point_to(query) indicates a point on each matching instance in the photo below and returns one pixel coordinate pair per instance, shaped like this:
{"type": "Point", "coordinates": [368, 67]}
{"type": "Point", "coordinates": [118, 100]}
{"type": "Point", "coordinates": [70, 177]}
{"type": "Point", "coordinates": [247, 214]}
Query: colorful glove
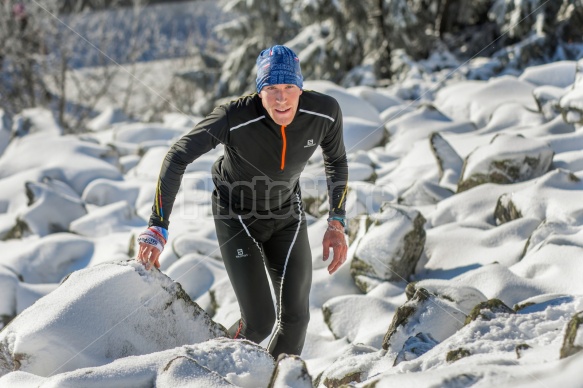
{"type": "Point", "coordinates": [155, 236]}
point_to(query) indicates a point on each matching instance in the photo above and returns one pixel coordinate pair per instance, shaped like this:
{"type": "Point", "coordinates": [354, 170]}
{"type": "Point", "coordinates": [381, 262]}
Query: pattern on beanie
{"type": "Point", "coordinates": [278, 65]}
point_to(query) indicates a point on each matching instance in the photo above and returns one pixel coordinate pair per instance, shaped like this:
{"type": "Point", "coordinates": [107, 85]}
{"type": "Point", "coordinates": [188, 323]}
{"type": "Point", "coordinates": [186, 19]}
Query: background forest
{"type": "Point", "coordinates": [48, 48]}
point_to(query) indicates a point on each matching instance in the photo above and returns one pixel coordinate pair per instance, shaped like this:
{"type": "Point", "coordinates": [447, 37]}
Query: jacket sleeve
{"type": "Point", "coordinates": [336, 165]}
{"type": "Point", "coordinates": [206, 135]}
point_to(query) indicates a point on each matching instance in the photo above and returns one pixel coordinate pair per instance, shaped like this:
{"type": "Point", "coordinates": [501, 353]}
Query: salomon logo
{"type": "Point", "coordinates": [310, 143]}
{"type": "Point", "coordinates": [241, 254]}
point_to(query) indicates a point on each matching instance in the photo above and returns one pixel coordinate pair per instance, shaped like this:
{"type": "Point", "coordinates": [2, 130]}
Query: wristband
{"type": "Point", "coordinates": [154, 236]}
{"type": "Point", "coordinates": [339, 219]}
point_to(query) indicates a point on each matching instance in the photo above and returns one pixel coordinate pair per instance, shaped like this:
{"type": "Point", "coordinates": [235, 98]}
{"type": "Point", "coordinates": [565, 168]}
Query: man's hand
{"type": "Point", "coordinates": [151, 242]}
{"type": "Point", "coordinates": [334, 238]}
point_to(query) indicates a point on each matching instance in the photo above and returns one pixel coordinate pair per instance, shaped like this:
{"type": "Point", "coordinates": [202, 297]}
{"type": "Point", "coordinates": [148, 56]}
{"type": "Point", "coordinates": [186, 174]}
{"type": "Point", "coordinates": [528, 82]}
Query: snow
{"type": "Point", "coordinates": [559, 74]}
{"type": "Point", "coordinates": [477, 100]}
{"type": "Point", "coordinates": [82, 313]}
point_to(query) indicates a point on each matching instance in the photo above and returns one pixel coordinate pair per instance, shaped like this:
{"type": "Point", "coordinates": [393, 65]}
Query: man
{"type": "Point", "coordinates": [268, 138]}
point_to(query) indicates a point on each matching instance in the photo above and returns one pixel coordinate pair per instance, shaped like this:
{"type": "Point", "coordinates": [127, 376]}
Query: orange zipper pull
{"type": "Point", "coordinates": [284, 148]}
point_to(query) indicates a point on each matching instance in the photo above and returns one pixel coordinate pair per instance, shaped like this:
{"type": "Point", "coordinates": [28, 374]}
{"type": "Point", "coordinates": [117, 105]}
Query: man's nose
{"type": "Point", "coordinates": [279, 96]}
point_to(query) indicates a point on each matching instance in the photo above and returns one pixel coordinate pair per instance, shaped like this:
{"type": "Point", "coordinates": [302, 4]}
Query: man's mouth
{"type": "Point", "coordinates": [282, 110]}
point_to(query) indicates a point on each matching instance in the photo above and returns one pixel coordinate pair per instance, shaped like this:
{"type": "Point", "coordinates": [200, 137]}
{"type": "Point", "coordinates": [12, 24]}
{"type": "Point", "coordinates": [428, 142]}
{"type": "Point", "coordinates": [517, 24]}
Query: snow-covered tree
{"type": "Point", "coordinates": [21, 51]}
{"type": "Point", "coordinates": [257, 24]}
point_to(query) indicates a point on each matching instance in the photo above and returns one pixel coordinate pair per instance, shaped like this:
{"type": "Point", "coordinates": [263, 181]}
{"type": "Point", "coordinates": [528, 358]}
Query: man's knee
{"type": "Point", "coordinates": [298, 319]}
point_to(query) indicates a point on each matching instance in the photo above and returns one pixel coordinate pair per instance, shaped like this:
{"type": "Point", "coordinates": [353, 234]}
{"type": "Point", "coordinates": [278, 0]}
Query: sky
{"type": "Point", "coordinates": [463, 194]}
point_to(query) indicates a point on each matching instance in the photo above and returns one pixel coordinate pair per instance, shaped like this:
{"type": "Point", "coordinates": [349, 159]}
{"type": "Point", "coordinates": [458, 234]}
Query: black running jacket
{"type": "Point", "coordinates": [260, 169]}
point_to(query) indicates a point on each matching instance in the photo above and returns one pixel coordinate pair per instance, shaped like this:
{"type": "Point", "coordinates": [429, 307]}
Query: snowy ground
{"type": "Point", "coordinates": [492, 169]}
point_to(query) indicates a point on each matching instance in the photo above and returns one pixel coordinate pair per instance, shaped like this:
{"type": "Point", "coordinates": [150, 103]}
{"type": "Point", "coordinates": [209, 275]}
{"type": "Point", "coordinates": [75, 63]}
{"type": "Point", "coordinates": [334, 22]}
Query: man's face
{"type": "Point", "coordinates": [281, 102]}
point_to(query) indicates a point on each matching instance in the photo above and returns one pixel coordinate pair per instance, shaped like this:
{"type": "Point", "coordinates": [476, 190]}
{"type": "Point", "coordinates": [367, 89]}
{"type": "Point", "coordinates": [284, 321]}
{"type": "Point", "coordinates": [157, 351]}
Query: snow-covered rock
{"type": "Point", "coordinates": [381, 101]}
{"type": "Point", "coordinates": [49, 259]}
{"type": "Point", "coordinates": [102, 192]}
{"type": "Point", "coordinates": [548, 100]}
{"type": "Point", "coordinates": [53, 206]}
{"type": "Point", "coordinates": [559, 74]}
{"type": "Point", "coordinates": [107, 119]}
{"type": "Point", "coordinates": [215, 363]}
{"type": "Point", "coordinates": [424, 192]}
{"type": "Point", "coordinates": [477, 100]}
{"type": "Point", "coordinates": [507, 159]}
{"type": "Point", "coordinates": [290, 372]}
{"type": "Point", "coordinates": [512, 116]}
{"type": "Point", "coordinates": [108, 219]}
{"type": "Point", "coordinates": [35, 120]}
{"type": "Point", "coordinates": [77, 162]}
{"type": "Point", "coordinates": [449, 162]}
{"type": "Point", "coordinates": [131, 311]}
{"type": "Point", "coordinates": [407, 320]}
{"type": "Point", "coordinates": [391, 249]}
{"type": "Point", "coordinates": [351, 105]}
{"type": "Point", "coordinates": [420, 124]}
{"type": "Point", "coordinates": [552, 197]}
{"type": "Point", "coordinates": [196, 273]}
{"type": "Point", "coordinates": [358, 318]}
{"type": "Point", "coordinates": [361, 134]}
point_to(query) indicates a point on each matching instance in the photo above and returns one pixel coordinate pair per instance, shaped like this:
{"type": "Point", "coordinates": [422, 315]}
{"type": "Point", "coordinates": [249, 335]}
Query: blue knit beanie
{"type": "Point", "coordinates": [278, 65]}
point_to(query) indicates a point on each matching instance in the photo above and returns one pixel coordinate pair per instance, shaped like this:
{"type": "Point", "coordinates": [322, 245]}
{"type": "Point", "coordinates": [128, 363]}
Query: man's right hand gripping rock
{"type": "Point", "coordinates": [152, 242]}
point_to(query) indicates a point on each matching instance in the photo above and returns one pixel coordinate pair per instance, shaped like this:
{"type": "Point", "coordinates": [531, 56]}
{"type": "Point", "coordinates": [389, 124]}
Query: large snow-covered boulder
{"type": "Point", "coordinates": [130, 311]}
{"type": "Point", "coordinates": [424, 192]}
{"type": "Point", "coordinates": [219, 362]}
{"type": "Point", "coordinates": [358, 318]}
{"type": "Point", "coordinates": [378, 98]}
{"type": "Point", "coordinates": [390, 250]}
{"type": "Point", "coordinates": [49, 259]}
{"type": "Point", "coordinates": [351, 105]}
{"type": "Point", "coordinates": [407, 321]}
{"type": "Point", "coordinates": [507, 159]}
{"type": "Point", "coordinates": [53, 205]}
{"type": "Point", "coordinates": [477, 100]}
{"type": "Point", "coordinates": [513, 116]}
{"type": "Point", "coordinates": [105, 191]}
{"type": "Point", "coordinates": [447, 255]}
{"type": "Point", "coordinates": [77, 162]}
{"type": "Point", "coordinates": [555, 197]}
{"type": "Point", "coordinates": [550, 232]}
{"type": "Point", "coordinates": [420, 124]}
{"type": "Point", "coordinates": [196, 273]}
{"type": "Point", "coordinates": [362, 134]}
{"type": "Point", "coordinates": [559, 74]}
{"type": "Point", "coordinates": [108, 219]}
{"type": "Point", "coordinates": [35, 120]}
